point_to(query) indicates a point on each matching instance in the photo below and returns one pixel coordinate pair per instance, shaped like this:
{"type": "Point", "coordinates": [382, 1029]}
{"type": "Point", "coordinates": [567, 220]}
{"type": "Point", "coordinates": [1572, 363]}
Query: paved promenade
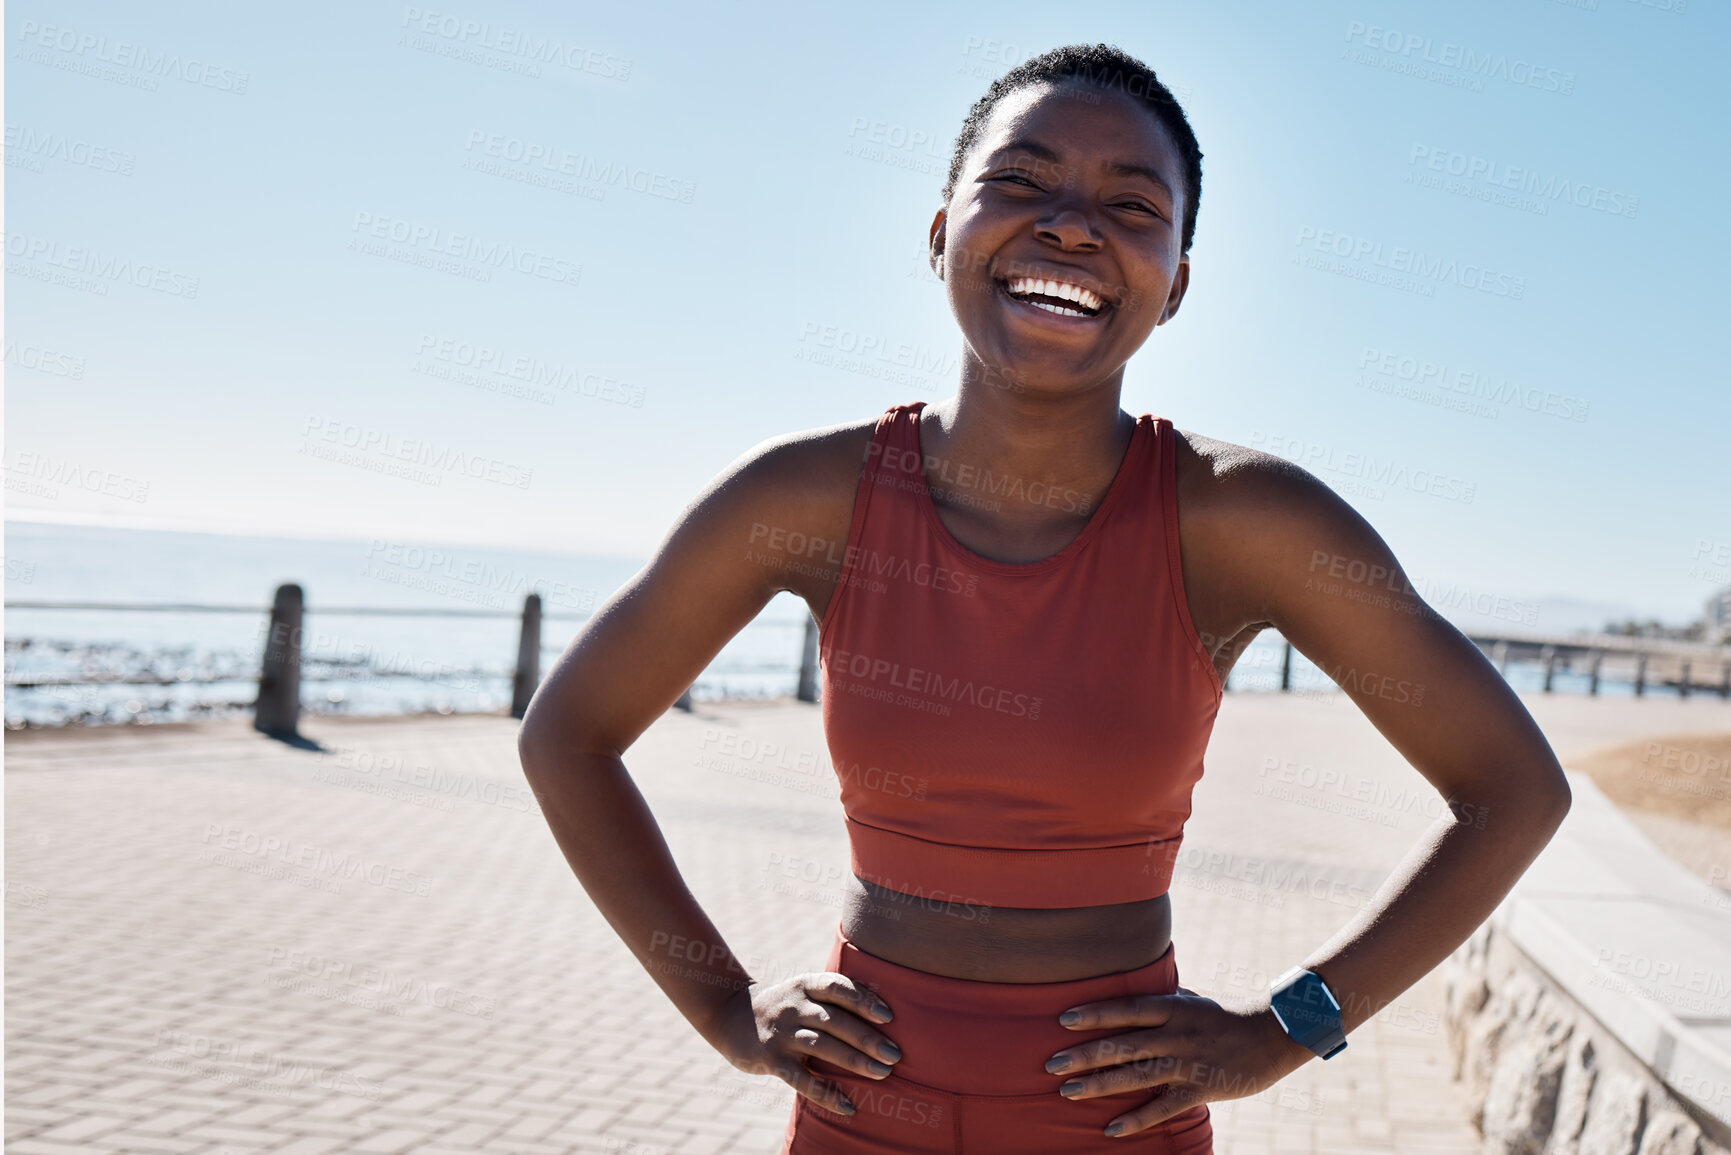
{"type": "Point", "coordinates": [216, 943]}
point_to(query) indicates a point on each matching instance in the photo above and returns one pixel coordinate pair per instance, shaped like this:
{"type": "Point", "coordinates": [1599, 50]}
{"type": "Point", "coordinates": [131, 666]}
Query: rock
{"type": "Point", "coordinates": [1509, 1005]}
{"type": "Point", "coordinates": [1466, 998]}
{"type": "Point", "coordinates": [1670, 1132]}
{"type": "Point", "coordinates": [1521, 1103]}
{"type": "Point", "coordinates": [1579, 1073]}
{"type": "Point", "coordinates": [1615, 1112]}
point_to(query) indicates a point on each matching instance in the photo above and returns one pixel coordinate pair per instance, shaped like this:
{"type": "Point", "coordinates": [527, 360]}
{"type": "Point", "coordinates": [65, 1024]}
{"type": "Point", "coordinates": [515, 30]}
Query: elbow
{"type": "Point", "coordinates": [1562, 798]}
{"type": "Point", "coordinates": [533, 742]}
{"type": "Point", "coordinates": [1547, 805]}
{"type": "Point", "coordinates": [553, 746]}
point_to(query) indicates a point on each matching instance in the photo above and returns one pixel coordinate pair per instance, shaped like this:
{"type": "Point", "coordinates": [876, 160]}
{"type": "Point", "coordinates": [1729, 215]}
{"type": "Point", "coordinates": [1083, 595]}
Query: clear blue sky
{"type": "Point", "coordinates": [728, 201]}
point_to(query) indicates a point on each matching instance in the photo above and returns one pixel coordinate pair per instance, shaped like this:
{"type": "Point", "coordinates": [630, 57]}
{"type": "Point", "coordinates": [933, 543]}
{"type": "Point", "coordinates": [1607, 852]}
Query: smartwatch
{"type": "Point", "coordinates": [1308, 1011]}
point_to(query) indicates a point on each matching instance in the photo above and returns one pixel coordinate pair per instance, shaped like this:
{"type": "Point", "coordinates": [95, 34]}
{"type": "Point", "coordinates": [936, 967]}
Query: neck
{"type": "Point", "coordinates": [1070, 441]}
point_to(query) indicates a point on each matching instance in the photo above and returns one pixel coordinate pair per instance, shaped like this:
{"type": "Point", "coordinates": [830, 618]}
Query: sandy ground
{"type": "Point", "coordinates": [1677, 789]}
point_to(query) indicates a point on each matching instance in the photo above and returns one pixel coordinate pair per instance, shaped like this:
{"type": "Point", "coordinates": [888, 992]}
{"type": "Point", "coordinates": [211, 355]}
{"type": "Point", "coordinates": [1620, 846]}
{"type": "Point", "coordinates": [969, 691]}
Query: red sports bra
{"type": "Point", "coordinates": [1014, 734]}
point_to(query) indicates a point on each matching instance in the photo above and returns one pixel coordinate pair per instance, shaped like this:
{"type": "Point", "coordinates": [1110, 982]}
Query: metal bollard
{"type": "Point", "coordinates": [278, 709]}
{"type": "Point", "coordinates": [528, 674]}
{"type": "Point", "coordinates": [808, 663]}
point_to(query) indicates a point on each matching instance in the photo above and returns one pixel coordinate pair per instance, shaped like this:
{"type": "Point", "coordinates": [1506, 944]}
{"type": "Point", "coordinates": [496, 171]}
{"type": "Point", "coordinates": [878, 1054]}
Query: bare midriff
{"type": "Point", "coordinates": [1005, 944]}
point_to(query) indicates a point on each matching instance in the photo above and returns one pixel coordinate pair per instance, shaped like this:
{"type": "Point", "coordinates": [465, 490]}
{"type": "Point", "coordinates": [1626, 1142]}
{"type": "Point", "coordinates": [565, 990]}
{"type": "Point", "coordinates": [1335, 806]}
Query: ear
{"type": "Point", "coordinates": [1175, 296]}
{"type": "Point", "coordinates": [935, 243]}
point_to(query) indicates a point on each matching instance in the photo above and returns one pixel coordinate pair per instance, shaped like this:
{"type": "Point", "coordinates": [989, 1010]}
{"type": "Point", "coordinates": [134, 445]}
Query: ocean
{"type": "Point", "coordinates": [359, 664]}
{"type": "Point", "coordinates": [354, 664]}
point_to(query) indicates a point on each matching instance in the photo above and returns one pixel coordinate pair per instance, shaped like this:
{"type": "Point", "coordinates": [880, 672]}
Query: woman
{"type": "Point", "coordinates": [1029, 601]}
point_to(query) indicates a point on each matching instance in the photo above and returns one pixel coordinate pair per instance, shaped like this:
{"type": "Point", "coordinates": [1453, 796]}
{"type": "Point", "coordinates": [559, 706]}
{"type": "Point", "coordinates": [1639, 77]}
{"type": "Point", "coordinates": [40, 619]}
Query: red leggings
{"type": "Point", "coordinates": [973, 1072]}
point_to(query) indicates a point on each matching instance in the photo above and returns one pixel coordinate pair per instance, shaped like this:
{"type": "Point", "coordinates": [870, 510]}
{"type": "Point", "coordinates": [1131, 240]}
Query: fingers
{"type": "Point", "coordinates": [1138, 1075]}
{"type": "Point", "coordinates": [816, 1044]}
{"type": "Point", "coordinates": [1168, 1102]}
{"type": "Point", "coordinates": [824, 1031]}
{"type": "Point", "coordinates": [861, 1038]}
{"type": "Point", "coordinates": [819, 1090]}
{"type": "Point", "coordinates": [1134, 1011]}
{"type": "Point", "coordinates": [1136, 1047]}
{"type": "Point", "coordinates": [831, 987]}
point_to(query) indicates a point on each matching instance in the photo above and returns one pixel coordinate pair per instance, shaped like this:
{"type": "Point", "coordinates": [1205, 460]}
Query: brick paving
{"type": "Point", "coordinates": [218, 944]}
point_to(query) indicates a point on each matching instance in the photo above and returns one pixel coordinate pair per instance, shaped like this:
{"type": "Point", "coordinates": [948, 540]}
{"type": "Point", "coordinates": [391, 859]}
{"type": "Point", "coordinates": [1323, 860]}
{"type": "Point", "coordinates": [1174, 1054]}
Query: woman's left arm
{"type": "Point", "coordinates": [1267, 545]}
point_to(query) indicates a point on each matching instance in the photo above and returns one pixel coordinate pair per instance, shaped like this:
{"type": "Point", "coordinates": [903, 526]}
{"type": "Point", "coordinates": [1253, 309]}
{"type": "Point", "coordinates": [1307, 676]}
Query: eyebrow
{"type": "Point", "coordinates": [1116, 168]}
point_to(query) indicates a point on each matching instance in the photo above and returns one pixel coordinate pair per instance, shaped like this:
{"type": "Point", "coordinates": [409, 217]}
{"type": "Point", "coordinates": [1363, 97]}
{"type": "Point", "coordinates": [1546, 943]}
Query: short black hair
{"type": "Point", "coordinates": [1106, 67]}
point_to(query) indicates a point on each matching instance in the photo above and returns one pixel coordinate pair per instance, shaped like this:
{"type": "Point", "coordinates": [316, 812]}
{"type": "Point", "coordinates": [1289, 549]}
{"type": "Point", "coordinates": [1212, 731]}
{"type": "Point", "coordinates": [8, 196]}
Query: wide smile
{"type": "Point", "coordinates": [1075, 304]}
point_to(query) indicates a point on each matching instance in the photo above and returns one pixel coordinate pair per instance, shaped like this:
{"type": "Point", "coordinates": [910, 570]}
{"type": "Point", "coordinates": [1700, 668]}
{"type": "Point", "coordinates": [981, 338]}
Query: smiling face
{"type": "Point", "coordinates": [1060, 246]}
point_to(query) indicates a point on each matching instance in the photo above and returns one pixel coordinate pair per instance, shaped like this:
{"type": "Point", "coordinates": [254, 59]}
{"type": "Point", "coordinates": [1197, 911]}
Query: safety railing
{"type": "Point", "coordinates": [277, 709]}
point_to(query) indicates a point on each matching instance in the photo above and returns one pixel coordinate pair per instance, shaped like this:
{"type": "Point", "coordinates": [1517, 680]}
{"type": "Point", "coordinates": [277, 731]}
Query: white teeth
{"type": "Point", "coordinates": [1058, 309]}
{"type": "Point", "coordinates": [1061, 290]}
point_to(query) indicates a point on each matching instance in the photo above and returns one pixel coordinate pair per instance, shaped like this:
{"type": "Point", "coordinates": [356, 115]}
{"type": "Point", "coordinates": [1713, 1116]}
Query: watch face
{"type": "Point", "coordinates": [1306, 1009]}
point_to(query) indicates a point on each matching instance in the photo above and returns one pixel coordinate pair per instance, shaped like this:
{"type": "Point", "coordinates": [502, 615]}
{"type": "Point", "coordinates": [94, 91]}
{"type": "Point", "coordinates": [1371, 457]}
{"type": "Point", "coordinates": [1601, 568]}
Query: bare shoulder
{"type": "Point", "coordinates": [1251, 527]}
{"type": "Point", "coordinates": [821, 463]}
{"type": "Point", "coordinates": [792, 497]}
{"type": "Point", "coordinates": [806, 479]}
{"type": "Point", "coordinates": [1218, 479]}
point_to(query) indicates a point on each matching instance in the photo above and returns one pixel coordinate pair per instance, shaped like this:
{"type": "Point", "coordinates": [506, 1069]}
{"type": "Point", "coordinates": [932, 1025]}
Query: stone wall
{"type": "Point", "coordinates": [1545, 1077]}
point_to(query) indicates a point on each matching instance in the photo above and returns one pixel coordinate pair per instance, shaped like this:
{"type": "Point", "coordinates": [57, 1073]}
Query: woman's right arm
{"type": "Point", "coordinates": [628, 664]}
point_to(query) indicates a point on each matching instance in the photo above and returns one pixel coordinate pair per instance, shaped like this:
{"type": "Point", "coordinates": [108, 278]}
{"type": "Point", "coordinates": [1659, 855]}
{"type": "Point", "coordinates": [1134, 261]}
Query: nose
{"type": "Point", "coordinates": [1070, 230]}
